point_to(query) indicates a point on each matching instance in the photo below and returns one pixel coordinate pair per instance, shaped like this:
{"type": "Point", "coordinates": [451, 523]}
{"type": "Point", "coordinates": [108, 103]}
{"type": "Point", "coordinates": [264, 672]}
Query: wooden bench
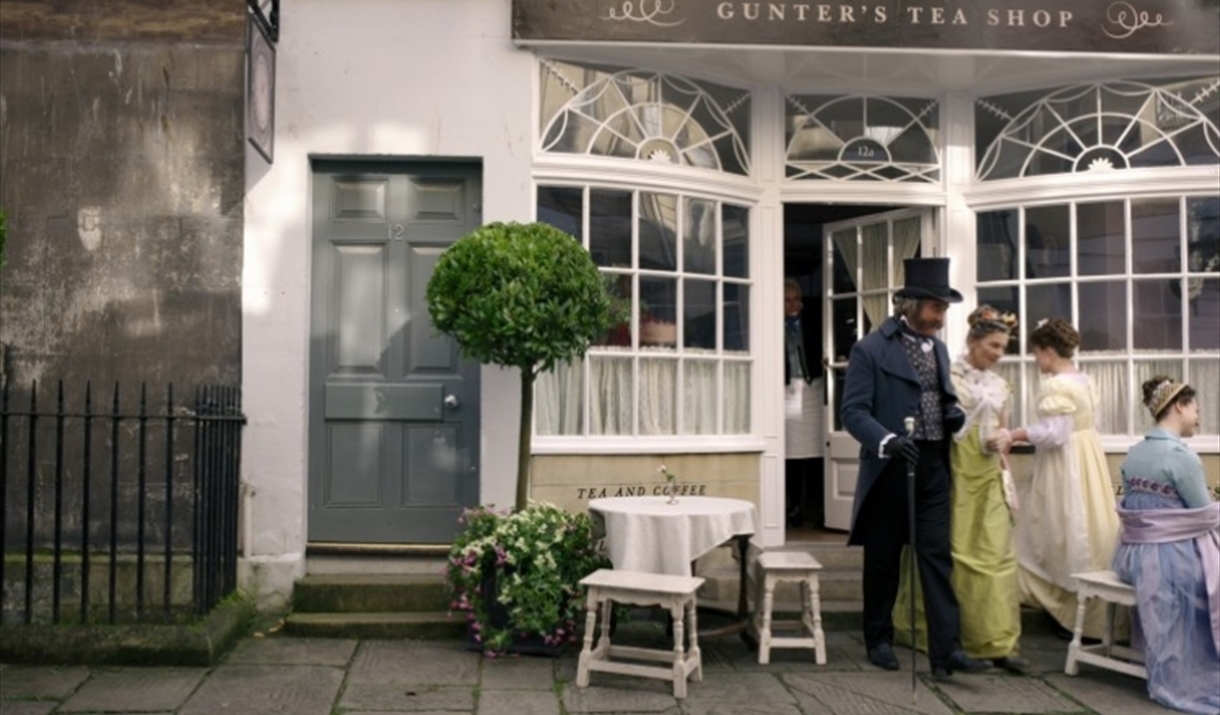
{"type": "Point", "coordinates": [800, 566]}
{"type": "Point", "coordinates": [675, 593]}
{"type": "Point", "coordinates": [1106, 586]}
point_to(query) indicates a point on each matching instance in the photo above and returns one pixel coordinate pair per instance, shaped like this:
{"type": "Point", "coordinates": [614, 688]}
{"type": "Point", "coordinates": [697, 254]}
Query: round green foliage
{"type": "Point", "coordinates": [519, 295]}
{"type": "Point", "coordinates": [517, 575]}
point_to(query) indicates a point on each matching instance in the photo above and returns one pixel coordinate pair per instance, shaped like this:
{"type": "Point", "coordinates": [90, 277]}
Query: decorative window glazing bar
{"type": "Point", "coordinates": [641, 115]}
{"type": "Point", "coordinates": [862, 138]}
{"type": "Point", "coordinates": [1098, 127]}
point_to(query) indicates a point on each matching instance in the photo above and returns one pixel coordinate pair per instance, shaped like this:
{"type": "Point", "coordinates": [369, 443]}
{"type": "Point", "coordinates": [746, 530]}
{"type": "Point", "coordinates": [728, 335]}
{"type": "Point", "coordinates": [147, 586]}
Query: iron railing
{"type": "Point", "coordinates": [144, 501]}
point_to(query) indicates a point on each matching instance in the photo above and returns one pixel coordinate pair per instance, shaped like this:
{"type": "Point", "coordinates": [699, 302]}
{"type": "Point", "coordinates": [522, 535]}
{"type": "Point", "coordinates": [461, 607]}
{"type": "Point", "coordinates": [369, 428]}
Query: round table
{"type": "Point", "coordinates": [647, 533]}
{"type": "Point", "coordinates": [652, 535]}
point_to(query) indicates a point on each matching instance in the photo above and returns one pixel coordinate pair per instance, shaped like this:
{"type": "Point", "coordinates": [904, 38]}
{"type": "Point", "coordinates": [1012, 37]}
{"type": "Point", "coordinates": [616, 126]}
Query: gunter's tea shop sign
{"type": "Point", "coordinates": [1110, 26]}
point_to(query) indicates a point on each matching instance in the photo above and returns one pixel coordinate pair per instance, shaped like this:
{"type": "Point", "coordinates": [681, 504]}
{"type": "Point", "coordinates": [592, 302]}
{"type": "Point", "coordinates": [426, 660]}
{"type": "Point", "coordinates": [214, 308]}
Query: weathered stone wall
{"type": "Point", "coordinates": [121, 171]}
{"type": "Point", "coordinates": [122, 156]}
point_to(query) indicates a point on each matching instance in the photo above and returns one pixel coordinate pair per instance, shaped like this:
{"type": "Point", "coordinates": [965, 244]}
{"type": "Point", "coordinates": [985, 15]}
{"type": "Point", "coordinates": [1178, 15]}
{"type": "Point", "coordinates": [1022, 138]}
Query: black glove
{"type": "Point", "coordinates": [904, 447]}
{"type": "Point", "coordinates": [954, 419]}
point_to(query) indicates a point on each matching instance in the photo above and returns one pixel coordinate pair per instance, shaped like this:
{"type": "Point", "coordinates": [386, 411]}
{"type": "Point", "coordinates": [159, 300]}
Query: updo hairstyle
{"type": "Point", "coordinates": [985, 320]}
{"type": "Point", "coordinates": [1056, 334]}
{"type": "Point", "coordinates": [1161, 393]}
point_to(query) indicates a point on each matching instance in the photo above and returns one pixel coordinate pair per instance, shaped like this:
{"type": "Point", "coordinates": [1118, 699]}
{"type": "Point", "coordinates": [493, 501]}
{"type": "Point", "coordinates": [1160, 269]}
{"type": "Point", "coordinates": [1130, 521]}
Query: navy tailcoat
{"type": "Point", "coordinates": [880, 390]}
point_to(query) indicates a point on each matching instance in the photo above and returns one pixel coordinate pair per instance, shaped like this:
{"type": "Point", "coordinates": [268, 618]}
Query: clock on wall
{"type": "Point", "coordinates": [260, 90]}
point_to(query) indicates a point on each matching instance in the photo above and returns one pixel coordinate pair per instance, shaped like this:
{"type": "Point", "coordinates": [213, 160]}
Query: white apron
{"type": "Point", "coordinates": [804, 419]}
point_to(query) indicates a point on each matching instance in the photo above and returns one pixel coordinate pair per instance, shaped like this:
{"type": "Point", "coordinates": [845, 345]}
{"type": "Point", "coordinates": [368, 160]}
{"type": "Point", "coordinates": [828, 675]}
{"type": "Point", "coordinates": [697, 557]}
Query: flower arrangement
{"type": "Point", "coordinates": [516, 574]}
{"type": "Point", "coordinates": [671, 481]}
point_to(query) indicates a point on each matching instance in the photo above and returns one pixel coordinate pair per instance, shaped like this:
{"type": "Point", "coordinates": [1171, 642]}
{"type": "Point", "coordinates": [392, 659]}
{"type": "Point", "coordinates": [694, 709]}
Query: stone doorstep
{"type": "Point", "coordinates": [364, 593]}
{"type": "Point", "coordinates": [343, 602]}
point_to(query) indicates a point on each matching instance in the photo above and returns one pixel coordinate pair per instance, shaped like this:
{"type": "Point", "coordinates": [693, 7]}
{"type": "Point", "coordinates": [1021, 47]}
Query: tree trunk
{"type": "Point", "coordinates": [525, 438]}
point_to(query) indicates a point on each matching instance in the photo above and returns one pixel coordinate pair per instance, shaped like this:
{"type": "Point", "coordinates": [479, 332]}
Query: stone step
{"type": "Point", "coordinates": [429, 625]}
{"type": "Point", "coordinates": [409, 598]}
{"type": "Point", "coordinates": [365, 593]}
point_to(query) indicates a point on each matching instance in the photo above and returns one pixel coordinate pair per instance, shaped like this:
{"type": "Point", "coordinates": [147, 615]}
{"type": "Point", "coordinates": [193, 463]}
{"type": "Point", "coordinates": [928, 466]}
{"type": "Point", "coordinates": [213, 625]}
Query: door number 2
{"type": "Point", "coordinates": [397, 232]}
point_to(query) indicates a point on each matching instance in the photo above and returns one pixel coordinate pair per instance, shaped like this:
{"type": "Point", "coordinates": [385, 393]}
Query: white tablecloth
{"type": "Point", "coordinates": [646, 534]}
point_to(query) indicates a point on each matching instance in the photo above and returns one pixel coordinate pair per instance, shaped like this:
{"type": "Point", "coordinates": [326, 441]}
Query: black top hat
{"type": "Point", "coordinates": [928, 278]}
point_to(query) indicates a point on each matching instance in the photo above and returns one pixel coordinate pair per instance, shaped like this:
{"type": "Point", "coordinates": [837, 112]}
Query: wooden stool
{"type": "Point", "coordinates": [776, 566]}
{"type": "Point", "coordinates": [677, 593]}
{"type": "Point", "coordinates": [1106, 586]}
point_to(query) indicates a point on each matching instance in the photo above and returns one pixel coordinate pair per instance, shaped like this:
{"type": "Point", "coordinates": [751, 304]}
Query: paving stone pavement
{"type": "Point", "coordinates": [301, 676]}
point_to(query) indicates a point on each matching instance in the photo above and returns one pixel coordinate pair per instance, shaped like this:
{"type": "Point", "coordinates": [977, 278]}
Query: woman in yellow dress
{"type": "Point", "coordinates": [984, 562]}
{"type": "Point", "coordinates": [1067, 522]}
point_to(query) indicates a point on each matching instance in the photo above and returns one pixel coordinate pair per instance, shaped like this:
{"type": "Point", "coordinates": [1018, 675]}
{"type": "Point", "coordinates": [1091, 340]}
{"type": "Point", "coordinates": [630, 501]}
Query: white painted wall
{"type": "Point", "coordinates": [441, 78]}
{"type": "Point", "coordinates": [364, 78]}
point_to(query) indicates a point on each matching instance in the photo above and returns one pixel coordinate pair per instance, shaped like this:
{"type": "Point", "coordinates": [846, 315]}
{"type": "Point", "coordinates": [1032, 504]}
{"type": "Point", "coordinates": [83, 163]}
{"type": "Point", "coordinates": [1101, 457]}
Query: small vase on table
{"type": "Point", "coordinates": [671, 483]}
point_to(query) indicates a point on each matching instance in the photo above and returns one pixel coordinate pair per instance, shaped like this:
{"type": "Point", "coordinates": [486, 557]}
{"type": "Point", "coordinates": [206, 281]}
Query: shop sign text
{"type": "Point", "coordinates": [642, 490]}
{"type": "Point", "coordinates": [1123, 26]}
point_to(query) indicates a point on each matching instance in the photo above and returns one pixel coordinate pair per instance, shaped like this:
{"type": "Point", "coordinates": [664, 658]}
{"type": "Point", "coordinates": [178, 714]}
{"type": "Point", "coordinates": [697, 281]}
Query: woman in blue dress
{"type": "Point", "coordinates": [1170, 553]}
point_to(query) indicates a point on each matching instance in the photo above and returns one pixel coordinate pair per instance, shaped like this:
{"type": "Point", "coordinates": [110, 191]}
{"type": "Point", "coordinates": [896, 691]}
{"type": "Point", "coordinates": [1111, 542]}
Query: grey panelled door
{"type": "Point", "coordinates": [393, 411]}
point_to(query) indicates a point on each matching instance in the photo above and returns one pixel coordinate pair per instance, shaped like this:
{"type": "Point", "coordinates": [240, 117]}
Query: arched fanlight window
{"type": "Point", "coordinates": [862, 138]}
{"type": "Point", "coordinates": [642, 115]}
{"type": "Point", "coordinates": [1098, 127]}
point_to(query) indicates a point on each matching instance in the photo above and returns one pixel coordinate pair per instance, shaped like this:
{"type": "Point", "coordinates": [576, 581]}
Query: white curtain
{"type": "Point", "coordinates": [845, 241]}
{"type": "Point", "coordinates": [699, 397]}
{"type": "Point", "coordinates": [1113, 395]}
{"type": "Point", "coordinates": [906, 244]}
{"type": "Point", "coordinates": [874, 269]}
{"type": "Point", "coordinates": [658, 395]}
{"type": "Point", "coordinates": [609, 395]}
{"type": "Point", "coordinates": [1117, 399]}
{"type": "Point", "coordinates": [557, 397]}
{"type": "Point", "coordinates": [557, 400]}
{"type": "Point", "coordinates": [1204, 376]}
{"type": "Point", "coordinates": [736, 398]}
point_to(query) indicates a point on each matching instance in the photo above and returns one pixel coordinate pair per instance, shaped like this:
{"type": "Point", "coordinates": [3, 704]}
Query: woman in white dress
{"type": "Point", "coordinates": [1067, 523]}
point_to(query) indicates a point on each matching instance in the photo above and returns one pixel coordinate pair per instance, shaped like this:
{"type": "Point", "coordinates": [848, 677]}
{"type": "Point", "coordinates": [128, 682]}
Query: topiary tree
{"type": "Point", "coordinates": [520, 295]}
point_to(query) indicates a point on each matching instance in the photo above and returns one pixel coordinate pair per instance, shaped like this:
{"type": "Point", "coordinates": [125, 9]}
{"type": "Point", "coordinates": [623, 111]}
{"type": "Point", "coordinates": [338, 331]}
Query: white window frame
{"type": "Point", "coordinates": [1072, 189]}
{"type": "Point", "coordinates": [640, 177]}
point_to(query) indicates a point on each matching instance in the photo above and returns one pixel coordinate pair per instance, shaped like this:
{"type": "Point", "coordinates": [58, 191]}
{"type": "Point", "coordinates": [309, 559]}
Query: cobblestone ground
{"type": "Point", "coordinates": [294, 676]}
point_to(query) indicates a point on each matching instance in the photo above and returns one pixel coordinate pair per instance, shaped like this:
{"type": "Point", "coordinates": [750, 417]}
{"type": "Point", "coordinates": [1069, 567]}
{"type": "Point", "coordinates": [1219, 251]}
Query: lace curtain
{"type": "Point", "coordinates": [557, 397]}
{"type": "Point", "coordinates": [1114, 395]}
{"type": "Point", "coordinates": [906, 234]}
{"type": "Point", "coordinates": [1118, 400]}
{"type": "Point", "coordinates": [1203, 373]}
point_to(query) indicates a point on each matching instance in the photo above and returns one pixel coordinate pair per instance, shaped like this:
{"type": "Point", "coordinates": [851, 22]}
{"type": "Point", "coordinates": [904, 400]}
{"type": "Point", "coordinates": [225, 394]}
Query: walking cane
{"type": "Point", "coordinates": [909, 424]}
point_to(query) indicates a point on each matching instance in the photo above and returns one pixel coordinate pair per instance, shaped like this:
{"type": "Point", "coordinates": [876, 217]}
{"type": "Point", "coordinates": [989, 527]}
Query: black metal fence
{"type": "Point", "coordinates": [115, 512]}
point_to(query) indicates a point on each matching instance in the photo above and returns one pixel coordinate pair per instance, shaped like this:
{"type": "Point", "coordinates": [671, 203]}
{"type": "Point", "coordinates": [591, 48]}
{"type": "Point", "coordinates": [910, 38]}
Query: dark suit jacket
{"type": "Point", "coordinates": [879, 391]}
{"type": "Point", "coordinates": [812, 338]}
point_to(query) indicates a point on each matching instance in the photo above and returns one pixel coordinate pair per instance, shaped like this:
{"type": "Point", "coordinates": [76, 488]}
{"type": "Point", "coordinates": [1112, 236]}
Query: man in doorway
{"type": "Point", "coordinates": [901, 370]}
{"type": "Point", "coordinates": [804, 431]}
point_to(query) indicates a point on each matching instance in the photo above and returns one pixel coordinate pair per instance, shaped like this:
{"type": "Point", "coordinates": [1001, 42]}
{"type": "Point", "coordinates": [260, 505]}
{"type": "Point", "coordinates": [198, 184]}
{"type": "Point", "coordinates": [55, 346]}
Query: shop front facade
{"type": "Point", "coordinates": [1068, 162]}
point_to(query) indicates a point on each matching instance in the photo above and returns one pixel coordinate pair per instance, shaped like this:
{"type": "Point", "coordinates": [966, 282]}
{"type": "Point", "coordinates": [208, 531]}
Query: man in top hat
{"type": "Point", "coordinates": [901, 370]}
